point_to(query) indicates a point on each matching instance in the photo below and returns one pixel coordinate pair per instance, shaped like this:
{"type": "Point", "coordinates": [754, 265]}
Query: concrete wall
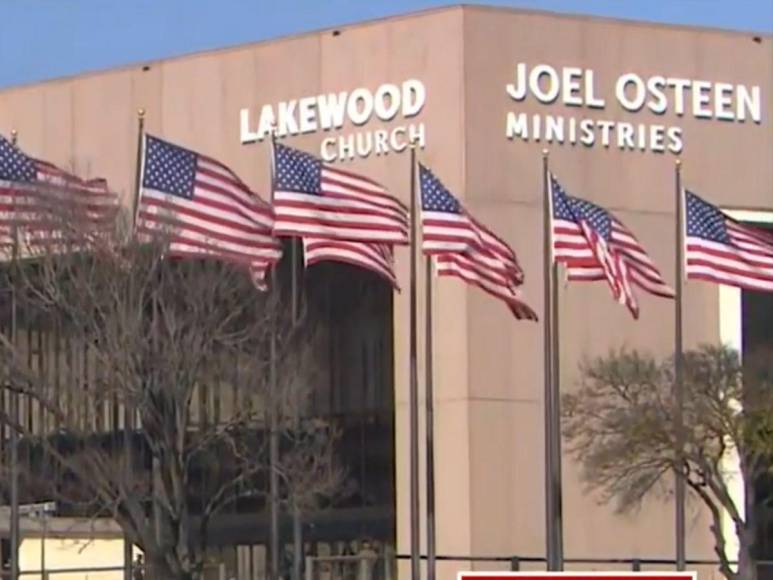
{"type": "Point", "coordinates": [728, 162]}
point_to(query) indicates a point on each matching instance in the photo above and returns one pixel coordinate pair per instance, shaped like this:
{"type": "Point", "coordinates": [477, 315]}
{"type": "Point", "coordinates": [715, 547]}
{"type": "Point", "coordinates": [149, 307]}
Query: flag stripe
{"type": "Point", "coordinates": [595, 246]}
{"type": "Point", "coordinates": [454, 265]}
{"type": "Point", "coordinates": [374, 257]}
{"type": "Point", "coordinates": [718, 249]}
{"type": "Point", "coordinates": [463, 247]}
{"type": "Point", "coordinates": [204, 210]}
{"type": "Point", "coordinates": [48, 208]}
{"type": "Point", "coordinates": [313, 199]}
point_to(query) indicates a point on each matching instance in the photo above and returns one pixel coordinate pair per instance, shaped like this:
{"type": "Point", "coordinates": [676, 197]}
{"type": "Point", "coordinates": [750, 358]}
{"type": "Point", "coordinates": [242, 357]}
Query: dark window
{"type": "Point", "coordinates": [757, 313]}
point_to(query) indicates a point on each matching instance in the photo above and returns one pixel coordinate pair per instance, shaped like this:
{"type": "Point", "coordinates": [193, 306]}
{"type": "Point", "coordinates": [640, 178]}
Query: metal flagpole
{"type": "Point", "coordinates": [680, 492]}
{"type": "Point", "coordinates": [294, 279]}
{"type": "Point", "coordinates": [414, 390]}
{"type": "Point", "coordinates": [553, 518]}
{"type": "Point", "coordinates": [15, 537]}
{"type": "Point", "coordinates": [128, 548]}
{"type": "Point", "coordinates": [138, 170]}
{"type": "Point", "coordinates": [273, 449]}
{"type": "Point", "coordinates": [430, 425]}
{"type": "Point", "coordinates": [273, 460]}
{"type": "Point", "coordinates": [555, 425]}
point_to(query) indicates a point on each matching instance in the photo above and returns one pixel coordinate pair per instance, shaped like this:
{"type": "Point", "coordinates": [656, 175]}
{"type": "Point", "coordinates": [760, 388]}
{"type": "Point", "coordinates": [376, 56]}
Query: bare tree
{"type": "Point", "coordinates": [621, 425]}
{"type": "Point", "coordinates": [126, 422]}
{"type": "Point", "coordinates": [310, 472]}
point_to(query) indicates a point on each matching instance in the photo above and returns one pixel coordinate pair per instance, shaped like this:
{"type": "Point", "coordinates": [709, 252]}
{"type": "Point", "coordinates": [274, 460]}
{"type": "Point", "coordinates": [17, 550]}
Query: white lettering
{"type": "Point", "coordinates": [287, 124]}
{"type": "Point", "coordinates": [655, 87]}
{"type": "Point", "coordinates": [572, 130]}
{"type": "Point", "coordinates": [748, 103]}
{"type": "Point", "coordinates": [267, 122]}
{"type": "Point", "coordinates": [331, 109]}
{"type": "Point", "coordinates": [642, 136]}
{"type": "Point", "coordinates": [246, 135]}
{"type": "Point", "coordinates": [325, 149]}
{"type": "Point", "coordinates": [517, 126]}
{"type": "Point", "coordinates": [307, 114]}
{"type": "Point", "coordinates": [550, 93]}
{"type": "Point", "coordinates": [387, 102]}
{"type": "Point", "coordinates": [571, 86]}
{"type": "Point", "coordinates": [590, 98]}
{"type": "Point", "coordinates": [416, 134]}
{"type": "Point", "coordinates": [621, 87]}
{"type": "Point", "coordinates": [554, 129]}
{"type": "Point", "coordinates": [536, 127]}
{"type": "Point", "coordinates": [364, 143]}
{"type": "Point", "coordinates": [398, 144]}
{"type": "Point", "coordinates": [657, 133]}
{"type": "Point", "coordinates": [380, 137]}
{"type": "Point", "coordinates": [679, 87]}
{"type": "Point", "coordinates": [359, 115]}
{"type": "Point", "coordinates": [700, 98]}
{"type": "Point", "coordinates": [675, 143]}
{"type": "Point", "coordinates": [346, 147]}
{"type": "Point", "coordinates": [723, 101]}
{"type": "Point", "coordinates": [517, 90]}
{"type": "Point", "coordinates": [414, 96]}
{"type": "Point", "coordinates": [625, 136]}
{"type": "Point", "coordinates": [606, 127]}
{"type": "Point", "coordinates": [588, 136]}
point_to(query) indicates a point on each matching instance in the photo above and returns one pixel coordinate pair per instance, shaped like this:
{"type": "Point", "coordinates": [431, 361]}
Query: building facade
{"type": "Point", "coordinates": [483, 91]}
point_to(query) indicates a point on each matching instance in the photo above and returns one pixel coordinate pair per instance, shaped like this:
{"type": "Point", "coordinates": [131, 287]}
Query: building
{"type": "Point", "coordinates": [484, 90]}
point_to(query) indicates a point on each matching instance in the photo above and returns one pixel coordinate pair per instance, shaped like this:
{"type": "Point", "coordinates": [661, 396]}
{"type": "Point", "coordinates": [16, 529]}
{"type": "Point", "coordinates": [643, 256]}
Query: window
{"type": "Point", "coordinates": [746, 324]}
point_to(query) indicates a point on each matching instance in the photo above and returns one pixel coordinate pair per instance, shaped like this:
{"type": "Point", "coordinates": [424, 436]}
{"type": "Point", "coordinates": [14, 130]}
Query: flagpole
{"type": "Point", "coordinates": [138, 168]}
{"type": "Point", "coordinates": [430, 424]}
{"type": "Point", "coordinates": [553, 518]}
{"type": "Point", "coordinates": [558, 532]}
{"type": "Point", "coordinates": [128, 548]}
{"type": "Point", "coordinates": [273, 448]}
{"type": "Point", "coordinates": [680, 491]}
{"type": "Point", "coordinates": [273, 459]}
{"type": "Point", "coordinates": [414, 390]}
{"type": "Point", "coordinates": [15, 539]}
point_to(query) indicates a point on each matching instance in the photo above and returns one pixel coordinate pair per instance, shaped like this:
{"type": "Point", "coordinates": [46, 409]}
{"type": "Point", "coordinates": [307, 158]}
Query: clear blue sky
{"type": "Point", "coordinates": [41, 39]}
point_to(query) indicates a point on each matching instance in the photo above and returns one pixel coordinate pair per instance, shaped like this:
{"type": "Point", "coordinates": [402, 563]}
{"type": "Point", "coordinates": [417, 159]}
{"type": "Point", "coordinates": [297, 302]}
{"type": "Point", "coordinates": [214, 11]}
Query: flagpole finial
{"type": "Point", "coordinates": [678, 162]}
{"type": "Point", "coordinates": [14, 136]}
{"type": "Point", "coordinates": [141, 112]}
{"type": "Point", "coordinates": [545, 152]}
{"type": "Point", "coordinates": [414, 142]}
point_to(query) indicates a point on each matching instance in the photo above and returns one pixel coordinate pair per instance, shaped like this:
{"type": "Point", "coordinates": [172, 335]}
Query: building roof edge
{"type": "Point", "coordinates": [380, 20]}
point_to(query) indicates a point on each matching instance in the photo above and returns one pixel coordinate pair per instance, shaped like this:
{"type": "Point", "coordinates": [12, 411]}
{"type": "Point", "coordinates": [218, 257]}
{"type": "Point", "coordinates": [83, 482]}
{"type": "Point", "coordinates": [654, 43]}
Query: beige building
{"type": "Point", "coordinates": [484, 90]}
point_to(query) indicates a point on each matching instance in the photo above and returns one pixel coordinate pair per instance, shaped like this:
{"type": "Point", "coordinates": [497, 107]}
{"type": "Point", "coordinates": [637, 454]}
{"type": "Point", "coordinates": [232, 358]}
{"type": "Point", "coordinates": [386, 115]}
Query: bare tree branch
{"type": "Point", "coordinates": [621, 425]}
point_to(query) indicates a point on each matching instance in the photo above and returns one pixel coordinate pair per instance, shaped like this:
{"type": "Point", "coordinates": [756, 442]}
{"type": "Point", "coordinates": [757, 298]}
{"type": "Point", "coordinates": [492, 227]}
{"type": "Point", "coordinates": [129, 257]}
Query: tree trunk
{"type": "Point", "coordinates": [166, 566]}
{"type": "Point", "coordinates": [159, 570]}
{"type": "Point", "coordinates": [747, 530]}
{"type": "Point", "coordinates": [297, 543]}
{"type": "Point", "coordinates": [747, 566]}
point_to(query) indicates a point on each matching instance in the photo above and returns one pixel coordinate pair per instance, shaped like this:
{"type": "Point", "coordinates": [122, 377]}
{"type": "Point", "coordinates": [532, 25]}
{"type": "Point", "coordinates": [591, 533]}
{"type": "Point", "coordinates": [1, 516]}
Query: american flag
{"type": "Point", "coordinates": [721, 250]}
{"type": "Point", "coordinates": [204, 209]}
{"type": "Point", "coordinates": [378, 258]}
{"type": "Point", "coordinates": [463, 247]}
{"type": "Point", "coordinates": [594, 245]}
{"type": "Point", "coordinates": [49, 209]}
{"type": "Point", "coordinates": [313, 198]}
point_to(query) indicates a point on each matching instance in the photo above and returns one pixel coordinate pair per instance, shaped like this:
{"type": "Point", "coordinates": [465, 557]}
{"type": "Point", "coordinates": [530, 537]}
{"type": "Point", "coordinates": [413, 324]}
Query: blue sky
{"type": "Point", "coordinates": [41, 39]}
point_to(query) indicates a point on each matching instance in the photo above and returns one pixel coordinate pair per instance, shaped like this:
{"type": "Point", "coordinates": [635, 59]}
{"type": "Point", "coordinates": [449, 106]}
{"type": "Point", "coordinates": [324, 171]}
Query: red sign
{"type": "Point", "coordinates": [577, 575]}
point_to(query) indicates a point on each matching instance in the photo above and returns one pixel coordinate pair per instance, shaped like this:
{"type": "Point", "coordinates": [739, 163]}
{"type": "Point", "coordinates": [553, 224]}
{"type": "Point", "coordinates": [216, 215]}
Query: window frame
{"type": "Point", "coordinates": [731, 334]}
